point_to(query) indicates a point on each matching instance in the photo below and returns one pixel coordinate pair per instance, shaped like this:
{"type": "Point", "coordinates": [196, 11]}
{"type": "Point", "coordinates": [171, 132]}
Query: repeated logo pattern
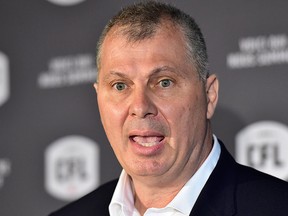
{"type": "Point", "coordinates": [66, 2]}
{"type": "Point", "coordinates": [4, 79]}
{"type": "Point", "coordinates": [71, 167]}
{"type": "Point", "coordinates": [263, 145]}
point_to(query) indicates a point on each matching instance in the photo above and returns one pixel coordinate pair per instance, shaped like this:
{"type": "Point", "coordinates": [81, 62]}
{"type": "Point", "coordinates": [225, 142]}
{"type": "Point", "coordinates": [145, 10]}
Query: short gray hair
{"type": "Point", "coordinates": [140, 21]}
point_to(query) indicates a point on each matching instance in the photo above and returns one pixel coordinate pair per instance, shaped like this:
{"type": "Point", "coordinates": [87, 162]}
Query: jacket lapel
{"type": "Point", "coordinates": [217, 198]}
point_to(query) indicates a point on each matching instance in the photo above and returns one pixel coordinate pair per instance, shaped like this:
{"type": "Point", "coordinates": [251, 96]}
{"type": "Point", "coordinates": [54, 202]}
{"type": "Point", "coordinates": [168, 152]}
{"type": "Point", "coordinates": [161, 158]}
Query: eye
{"type": "Point", "coordinates": [165, 83]}
{"type": "Point", "coordinates": [119, 86]}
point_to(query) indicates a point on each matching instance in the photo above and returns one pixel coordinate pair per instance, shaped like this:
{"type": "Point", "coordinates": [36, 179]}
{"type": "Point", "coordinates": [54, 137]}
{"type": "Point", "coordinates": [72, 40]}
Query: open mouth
{"type": "Point", "coordinates": [147, 141]}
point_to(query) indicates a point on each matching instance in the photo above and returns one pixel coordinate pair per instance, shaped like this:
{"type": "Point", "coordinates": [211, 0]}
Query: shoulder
{"type": "Point", "coordinates": [93, 203]}
{"type": "Point", "coordinates": [253, 192]}
{"type": "Point", "coordinates": [249, 178]}
{"type": "Point", "coordinates": [260, 192]}
{"type": "Point", "coordinates": [251, 182]}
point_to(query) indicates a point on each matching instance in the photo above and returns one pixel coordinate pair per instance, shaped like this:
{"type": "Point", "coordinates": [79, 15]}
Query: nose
{"type": "Point", "coordinates": [142, 104]}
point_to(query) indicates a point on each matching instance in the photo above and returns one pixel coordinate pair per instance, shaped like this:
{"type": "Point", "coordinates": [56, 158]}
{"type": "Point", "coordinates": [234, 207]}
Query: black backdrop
{"type": "Point", "coordinates": [52, 146]}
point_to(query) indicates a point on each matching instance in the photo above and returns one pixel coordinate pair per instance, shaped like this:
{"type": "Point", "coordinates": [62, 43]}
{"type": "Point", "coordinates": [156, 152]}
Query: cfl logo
{"type": "Point", "coordinates": [66, 2]}
{"type": "Point", "coordinates": [68, 169]}
{"type": "Point", "coordinates": [264, 146]}
{"type": "Point", "coordinates": [262, 155]}
{"type": "Point", "coordinates": [72, 167]}
{"type": "Point", "coordinates": [4, 78]}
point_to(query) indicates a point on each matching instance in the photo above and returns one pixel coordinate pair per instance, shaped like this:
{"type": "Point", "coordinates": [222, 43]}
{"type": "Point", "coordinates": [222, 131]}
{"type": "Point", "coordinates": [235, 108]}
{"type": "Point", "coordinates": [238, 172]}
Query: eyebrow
{"type": "Point", "coordinates": [163, 68]}
{"type": "Point", "coordinates": [114, 73]}
{"type": "Point", "coordinates": [166, 68]}
{"type": "Point", "coordinates": [153, 72]}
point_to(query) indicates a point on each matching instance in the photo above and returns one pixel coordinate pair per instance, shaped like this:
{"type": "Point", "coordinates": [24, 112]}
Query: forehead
{"type": "Point", "coordinates": [167, 47]}
{"type": "Point", "coordinates": [136, 34]}
{"type": "Point", "coordinates": [167, 40]}
{"type": "Point", "coordinates": [141, 31]}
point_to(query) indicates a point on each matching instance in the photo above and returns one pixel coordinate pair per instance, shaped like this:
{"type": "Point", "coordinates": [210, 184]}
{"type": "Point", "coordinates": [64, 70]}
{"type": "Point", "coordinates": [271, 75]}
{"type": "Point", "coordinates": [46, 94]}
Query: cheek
{"type": "Point", "coordinates": [112, 116]}
{"type": "Point", "coordinates": [178, 118]}
{"type": "Point", "coordinates": [185, 117]}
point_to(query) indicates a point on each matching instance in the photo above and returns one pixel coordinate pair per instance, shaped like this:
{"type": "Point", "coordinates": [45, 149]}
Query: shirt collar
{"type": "Point", "coordinates": [122, 202]}
{"type": "Point", "coordinates": [123, 198]}
{"type": "Point", "coordinates": [187, 196]}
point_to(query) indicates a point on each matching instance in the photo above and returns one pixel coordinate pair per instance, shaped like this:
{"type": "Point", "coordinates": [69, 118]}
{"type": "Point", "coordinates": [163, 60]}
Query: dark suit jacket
{"type": "Point", "coordinates": [231, 189]}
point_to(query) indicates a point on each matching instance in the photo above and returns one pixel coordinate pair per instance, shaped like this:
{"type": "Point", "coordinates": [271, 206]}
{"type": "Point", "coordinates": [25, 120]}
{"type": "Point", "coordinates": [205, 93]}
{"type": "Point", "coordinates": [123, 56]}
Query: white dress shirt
{"type": "Point", "coordinates": [122, 203]}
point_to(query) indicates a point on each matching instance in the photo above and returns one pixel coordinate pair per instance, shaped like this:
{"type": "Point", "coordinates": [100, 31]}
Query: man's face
{"type": "Point", "coordinates": [153, 106]}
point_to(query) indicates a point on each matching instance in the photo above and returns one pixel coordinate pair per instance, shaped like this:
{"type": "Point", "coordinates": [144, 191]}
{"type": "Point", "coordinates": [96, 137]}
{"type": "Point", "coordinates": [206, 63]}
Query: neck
{"type": "Point", "coordinates": [146, 196]}
{"type": "Point", "coordinates": [159, 191]}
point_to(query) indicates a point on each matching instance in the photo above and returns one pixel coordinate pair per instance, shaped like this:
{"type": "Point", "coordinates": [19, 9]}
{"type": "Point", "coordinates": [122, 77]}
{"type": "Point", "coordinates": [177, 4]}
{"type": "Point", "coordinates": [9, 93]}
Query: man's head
{"type": "Point", "coordinates": [154, 107]}
{"type": "Point", "coordinates": [141, 21]}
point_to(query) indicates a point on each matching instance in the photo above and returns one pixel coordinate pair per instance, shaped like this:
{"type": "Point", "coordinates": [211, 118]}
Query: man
{"type": "Point", "coordinates": [156, 99]}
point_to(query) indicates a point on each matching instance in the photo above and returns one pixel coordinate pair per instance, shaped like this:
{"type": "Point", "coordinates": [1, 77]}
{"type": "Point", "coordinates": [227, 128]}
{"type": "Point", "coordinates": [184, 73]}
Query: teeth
{"type": "Point", "coordinates": [147, 141]}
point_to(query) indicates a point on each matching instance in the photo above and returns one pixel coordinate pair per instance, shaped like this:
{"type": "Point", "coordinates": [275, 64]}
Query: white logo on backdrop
{"type": "Point", "coordinates": [68, 71]}
{"type": "Point", "coordinates": [72, 167]}
{"type": "Point", "coordinates": [259, 51]}
{"type": "Point", "coordinates": [4, 78]}
{"type": "Point", "coordinates": [5, 169]}
{"type": "Point", "coordinates": [66, 2]}
{"type": "Point", "coordinates": [264, 146]}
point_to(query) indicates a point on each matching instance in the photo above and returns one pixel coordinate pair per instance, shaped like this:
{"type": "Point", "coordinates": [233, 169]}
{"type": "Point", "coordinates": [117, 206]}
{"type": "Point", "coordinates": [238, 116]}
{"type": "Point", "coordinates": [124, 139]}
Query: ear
{"type": "Point", "coordinates": [96, 86]}
{"type": "Point", "coordinates": [212, 88]}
